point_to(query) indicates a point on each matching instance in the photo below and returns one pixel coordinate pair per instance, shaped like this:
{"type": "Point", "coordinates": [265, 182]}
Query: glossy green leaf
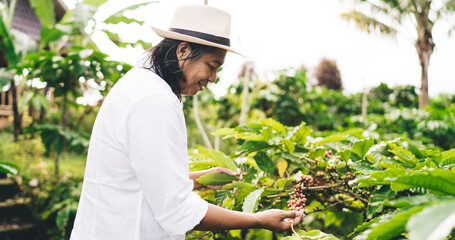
{"type": "Point", "coordinates": [448, 154]}
{"type": "Point", "coordinates": [223, 160]}
{"type": "Point", "coordinates": [448, 161]}
{"type": "Point", "coordinates": [435, 222]}
{"type": "Point", "coordinates": [438, 180]}
{"type": "Point", "coordinates": [251, 202]}
{"type": "Point", "coordinates": [403, 155]}
{"type": "Point", "coordinates": [251, 146]}
{"type": "Point", "coordinates": [216, 179]}
{"type": "Point", "coordinates": [362, 147]}
{"type": "Point", "coordinates": [390, 225]}
{"type": "Point", "coordinates": [377, 199]}
{"type": "Point", "coordinates": [264, 162]}
{"type": "Point", "coordinates": [301, 134]}
{"type": "Point", "coordinates": [220, 196]}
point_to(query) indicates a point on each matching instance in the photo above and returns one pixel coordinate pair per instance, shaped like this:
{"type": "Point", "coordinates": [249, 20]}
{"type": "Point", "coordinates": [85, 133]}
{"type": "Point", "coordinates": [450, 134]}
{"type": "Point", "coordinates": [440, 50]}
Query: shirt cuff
{"type": "Point", "coordinates": [191, 213]}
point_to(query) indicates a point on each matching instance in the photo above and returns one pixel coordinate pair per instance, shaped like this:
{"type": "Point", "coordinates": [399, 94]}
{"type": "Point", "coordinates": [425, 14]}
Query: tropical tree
{"type": "Point", "coordinates": [13, 48]}
{"type": "Point", "coordinates": [389, 16]}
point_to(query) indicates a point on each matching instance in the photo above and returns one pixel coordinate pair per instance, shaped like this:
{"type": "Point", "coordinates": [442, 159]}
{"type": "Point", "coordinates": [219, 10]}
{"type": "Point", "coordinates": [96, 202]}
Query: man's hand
{"type": "Point", "coordinates": [279, 220]}
{"type": "Point", "coordinates": [197, 174]}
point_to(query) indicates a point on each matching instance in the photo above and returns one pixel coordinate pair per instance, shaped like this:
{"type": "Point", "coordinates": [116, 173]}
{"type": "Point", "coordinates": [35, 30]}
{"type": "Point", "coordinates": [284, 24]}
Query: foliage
{"type": "Point", "coordinates": [354, 184]}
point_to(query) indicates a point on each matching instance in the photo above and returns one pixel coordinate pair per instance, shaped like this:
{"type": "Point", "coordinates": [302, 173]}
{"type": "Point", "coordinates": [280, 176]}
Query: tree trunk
{"type": "Point", "coordinates": [424, 46]}
{"type": "Point", "coordinates": [16, 116]}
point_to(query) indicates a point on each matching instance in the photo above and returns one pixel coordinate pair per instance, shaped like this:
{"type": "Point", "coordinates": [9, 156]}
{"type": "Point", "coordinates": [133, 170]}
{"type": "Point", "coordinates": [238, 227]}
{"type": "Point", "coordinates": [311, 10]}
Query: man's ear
{"type": "Point", "coordinates": [183, 51]}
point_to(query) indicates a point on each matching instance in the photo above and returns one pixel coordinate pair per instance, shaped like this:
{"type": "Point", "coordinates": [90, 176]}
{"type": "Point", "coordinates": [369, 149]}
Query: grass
{"type": "Point", "coordinates": [30, 158]}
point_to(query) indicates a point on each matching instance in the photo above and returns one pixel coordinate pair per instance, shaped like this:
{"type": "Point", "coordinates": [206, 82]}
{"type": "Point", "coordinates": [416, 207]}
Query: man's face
{"type": "Point", "coordinates": [198, 73]}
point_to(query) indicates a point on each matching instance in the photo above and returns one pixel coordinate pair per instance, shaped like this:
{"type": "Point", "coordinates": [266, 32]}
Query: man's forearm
{"type": "Point", "coordinates": [218, 218]}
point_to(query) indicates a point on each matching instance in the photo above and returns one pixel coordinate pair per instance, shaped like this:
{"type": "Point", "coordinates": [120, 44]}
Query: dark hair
{"type": "Point", "coordinates": [162, 59]}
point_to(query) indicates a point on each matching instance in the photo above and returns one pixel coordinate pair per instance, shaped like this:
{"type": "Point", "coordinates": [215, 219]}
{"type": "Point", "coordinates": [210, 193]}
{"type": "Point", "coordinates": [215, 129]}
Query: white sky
{"type": "Point", "coordinates": [291, 33]}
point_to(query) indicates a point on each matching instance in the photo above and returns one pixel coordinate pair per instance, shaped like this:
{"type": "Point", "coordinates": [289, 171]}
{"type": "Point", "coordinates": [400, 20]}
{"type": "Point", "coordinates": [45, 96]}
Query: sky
{"type": "Point", "coordinates": [294, 33]}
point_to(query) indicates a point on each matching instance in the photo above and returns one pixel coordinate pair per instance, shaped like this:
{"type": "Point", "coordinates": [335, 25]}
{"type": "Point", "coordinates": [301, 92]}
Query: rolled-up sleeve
{"type": "Point", "coordinates": [156, 143]}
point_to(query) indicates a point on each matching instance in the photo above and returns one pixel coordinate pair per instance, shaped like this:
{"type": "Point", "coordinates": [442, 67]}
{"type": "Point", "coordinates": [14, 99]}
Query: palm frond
{"type": "Point", "coordinates": [368, 24]}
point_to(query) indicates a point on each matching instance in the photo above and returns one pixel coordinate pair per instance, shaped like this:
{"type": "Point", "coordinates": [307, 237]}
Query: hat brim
{"type": "Point", "coordinates": [183, 37]}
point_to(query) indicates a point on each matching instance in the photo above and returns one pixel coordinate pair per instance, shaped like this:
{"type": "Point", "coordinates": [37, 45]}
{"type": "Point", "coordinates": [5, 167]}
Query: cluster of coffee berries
{"type": "Point", "coordinates": [298, 199]}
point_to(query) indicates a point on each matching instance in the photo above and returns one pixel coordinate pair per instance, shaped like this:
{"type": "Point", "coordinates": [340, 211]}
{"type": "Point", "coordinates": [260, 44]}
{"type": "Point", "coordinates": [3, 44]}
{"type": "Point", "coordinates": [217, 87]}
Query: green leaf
{"type": "Point", "coordinates": [278, 127]}
{"type": "Point", "coordinates": [216, 179]}
{"type": "Point", "coordinates": [282, 183]}
{"type": "Point", "coordinates": [361, 147]}
{"type": "Point", "coordinates": [301, 134]}
{"type": "Point", "coordinates": [435, 222]}
{"type": "Point", "coordinates": [403, 155]}
{"type": "Point", "coordinates": [405, 202]}
{"type": "Point", "coordinates": [390, 225]}
{"type": "Point", "coordinates": [223, 160]}
{"type": "Point", "coordinates": [448, 154]}
{"type": "Point", "coordinates": [95, 3]}
{"type": "Point", "coordinates": [237, 184]}
{"type": "Point", "coordinates": [267, 133]}
{"type": "Point", "coordinates": [438, 180]}
{"type": "Point", "coordinates": [50, 34]}
{"type": "Point", "coordinates": [8, 168]}
{"type": "Point", "coordinates": [264, 162]}
{"type": "Point", "coordinates": [289, 145]}
{"type": "Point", "coordinates": [224, 132]}
{"type": "Point", "coordinates": [332, 138]}
{"type": "Point", "coordinates": [317, 153]}
{"type": "Point", "coordinates": [251, 202]}
{"type": "Point", "coordinates": [345, 155]}
{"type": "Point", "coordinates": [114, 17]}
{"type": "Point", "coordinates": [220, 196]}
{"type": "Point", "coordinates": [377, 199]}
{"type": "Point", "coordinates": [251, 146]}
{"type": "Point", "coordinates": [62, 217]}
{"type": "Point", "coordinates": [44, 10]}
{"type": "Point", "coordinates": [7, 44]}
{"type": "Point", "coordinates": [118, 19]}
{"type": "Point", "coordinates": [448, 161]}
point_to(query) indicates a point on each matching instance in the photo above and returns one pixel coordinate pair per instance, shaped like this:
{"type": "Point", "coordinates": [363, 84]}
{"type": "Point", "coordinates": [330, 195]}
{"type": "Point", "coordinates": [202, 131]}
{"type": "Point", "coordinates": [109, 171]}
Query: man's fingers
{"type": "Point", "coordinates": [228, 171]}
{"type": "Point", "coordinates": [290, 214]}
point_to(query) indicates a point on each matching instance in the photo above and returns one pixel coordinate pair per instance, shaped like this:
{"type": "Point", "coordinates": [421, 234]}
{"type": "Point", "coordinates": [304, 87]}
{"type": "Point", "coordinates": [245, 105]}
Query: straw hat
{"type": "Point", "coordinates": [200, 24]}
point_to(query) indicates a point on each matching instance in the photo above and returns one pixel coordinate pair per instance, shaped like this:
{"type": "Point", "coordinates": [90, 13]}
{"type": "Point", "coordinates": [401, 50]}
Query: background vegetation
{"type": "Point", "coordinates": [371, 165]}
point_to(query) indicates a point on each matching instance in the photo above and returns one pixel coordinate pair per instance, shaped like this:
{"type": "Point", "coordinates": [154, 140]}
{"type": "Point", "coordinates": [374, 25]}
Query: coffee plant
{"type": "Point", "coordinates": [349, 184]}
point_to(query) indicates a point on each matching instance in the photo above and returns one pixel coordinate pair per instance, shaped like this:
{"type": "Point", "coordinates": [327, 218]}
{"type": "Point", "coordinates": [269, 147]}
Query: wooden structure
{"type": "Point", "coordinates": [25, 21]}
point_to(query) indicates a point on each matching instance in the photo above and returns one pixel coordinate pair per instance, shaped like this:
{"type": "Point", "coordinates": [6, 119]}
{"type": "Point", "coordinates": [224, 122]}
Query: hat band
{"type": "Point", "coordinates": [204, 36]}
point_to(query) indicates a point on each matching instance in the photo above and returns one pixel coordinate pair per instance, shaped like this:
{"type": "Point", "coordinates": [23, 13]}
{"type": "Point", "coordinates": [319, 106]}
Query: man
{"type": "Point", "coordinates": [137, 183]}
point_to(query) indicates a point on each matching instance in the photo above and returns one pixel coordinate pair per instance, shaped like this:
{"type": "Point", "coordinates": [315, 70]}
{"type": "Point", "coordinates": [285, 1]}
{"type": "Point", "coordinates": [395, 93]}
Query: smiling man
{"type": "Point", "coordinates": [137, 183]}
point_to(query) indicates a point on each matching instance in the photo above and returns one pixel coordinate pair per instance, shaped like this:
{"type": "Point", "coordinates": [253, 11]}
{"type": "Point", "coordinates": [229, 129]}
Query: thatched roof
{"type": "Point", "coordinates": [27, 22]}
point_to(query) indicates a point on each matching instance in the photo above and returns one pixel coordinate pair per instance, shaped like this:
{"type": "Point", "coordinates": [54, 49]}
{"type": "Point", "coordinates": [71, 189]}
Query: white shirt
{"type": "Point", "coordinates": [136, 183]}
